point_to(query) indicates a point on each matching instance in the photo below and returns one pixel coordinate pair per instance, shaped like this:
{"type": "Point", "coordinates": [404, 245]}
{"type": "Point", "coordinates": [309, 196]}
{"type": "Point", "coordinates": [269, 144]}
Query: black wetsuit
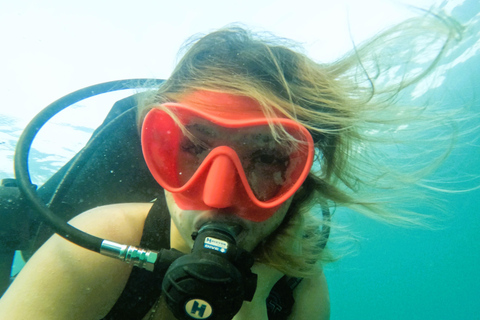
{"type": "Point", "coordinates": [144, 287]}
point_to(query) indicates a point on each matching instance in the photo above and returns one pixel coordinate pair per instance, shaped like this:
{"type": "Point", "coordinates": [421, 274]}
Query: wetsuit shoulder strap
{"type": "Point", "coordinates": [280, 300]}
{"type": "Point", "coordinates": [144, 287]}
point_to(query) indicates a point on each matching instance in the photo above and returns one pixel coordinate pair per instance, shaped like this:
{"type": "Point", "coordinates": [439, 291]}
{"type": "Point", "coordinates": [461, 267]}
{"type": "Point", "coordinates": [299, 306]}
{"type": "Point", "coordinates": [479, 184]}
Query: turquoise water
{"type": "Point", "coordinates": [415, 273]}
{"type": "Point", "coordinates": [412, 274]}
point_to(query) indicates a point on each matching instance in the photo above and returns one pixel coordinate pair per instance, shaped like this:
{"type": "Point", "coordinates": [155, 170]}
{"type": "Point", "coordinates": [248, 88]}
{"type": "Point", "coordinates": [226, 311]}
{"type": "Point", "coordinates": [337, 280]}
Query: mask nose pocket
{"type": "Point", "coordinates": [220, 183]}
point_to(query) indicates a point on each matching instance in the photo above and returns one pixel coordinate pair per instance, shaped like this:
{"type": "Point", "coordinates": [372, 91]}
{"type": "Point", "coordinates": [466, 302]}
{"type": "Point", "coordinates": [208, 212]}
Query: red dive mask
{"type": "Point", "coordinates": [225, 156]}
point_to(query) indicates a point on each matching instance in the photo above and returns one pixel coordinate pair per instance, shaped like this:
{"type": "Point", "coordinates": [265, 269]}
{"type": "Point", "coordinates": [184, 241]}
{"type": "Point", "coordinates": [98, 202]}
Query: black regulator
{"type": "Point", "coordinates": [213, 281]}
{"type": "Point", "coordinates": [209, 283]}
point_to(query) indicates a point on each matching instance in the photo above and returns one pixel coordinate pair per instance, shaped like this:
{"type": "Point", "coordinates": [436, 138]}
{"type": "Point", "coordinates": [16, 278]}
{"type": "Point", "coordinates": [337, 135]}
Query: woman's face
{"type": "Point", "coordinates": [189, 221]}
{"type": "Point", "coordinates": [219, 159]}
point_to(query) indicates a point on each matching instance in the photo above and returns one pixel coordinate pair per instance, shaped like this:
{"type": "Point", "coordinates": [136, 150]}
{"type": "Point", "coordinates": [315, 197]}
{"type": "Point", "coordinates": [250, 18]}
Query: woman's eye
{"type": "Point", "coordinates": [193, 148]}
{"type": "Point", "coordinates": [266, 158]}
{"type": "Point", "coordinates": [269, 158]}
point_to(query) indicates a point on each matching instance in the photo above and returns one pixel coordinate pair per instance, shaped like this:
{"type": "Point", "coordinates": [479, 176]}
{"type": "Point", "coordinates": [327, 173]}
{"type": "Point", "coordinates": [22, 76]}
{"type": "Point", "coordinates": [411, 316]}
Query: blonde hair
{"type": "Point", "coordinates": [352, 109]}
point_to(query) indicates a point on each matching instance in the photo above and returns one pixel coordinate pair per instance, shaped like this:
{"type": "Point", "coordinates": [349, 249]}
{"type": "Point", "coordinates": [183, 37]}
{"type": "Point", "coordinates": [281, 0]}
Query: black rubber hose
{"type": "Point", "coordinates": [22, 151]}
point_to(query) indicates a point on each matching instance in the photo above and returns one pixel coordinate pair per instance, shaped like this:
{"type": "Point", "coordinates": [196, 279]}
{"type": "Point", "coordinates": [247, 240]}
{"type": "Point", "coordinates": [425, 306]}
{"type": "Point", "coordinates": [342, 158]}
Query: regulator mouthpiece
{"type": "Point", "coordinates": [229, 229]}
{"type": "Point", "coordinates": [213, 281]}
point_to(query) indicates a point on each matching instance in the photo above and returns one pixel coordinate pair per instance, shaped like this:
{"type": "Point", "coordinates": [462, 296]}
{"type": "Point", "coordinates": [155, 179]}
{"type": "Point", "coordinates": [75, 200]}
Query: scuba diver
{"type": "Point", "coordinates": [246, 146]}
{"type": "Point", "coordinates": [234, 165]}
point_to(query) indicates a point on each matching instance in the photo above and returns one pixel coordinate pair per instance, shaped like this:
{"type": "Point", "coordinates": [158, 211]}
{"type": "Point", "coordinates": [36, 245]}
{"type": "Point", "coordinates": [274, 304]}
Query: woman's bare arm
{"type": "Point", "coordinates": [65, 281]}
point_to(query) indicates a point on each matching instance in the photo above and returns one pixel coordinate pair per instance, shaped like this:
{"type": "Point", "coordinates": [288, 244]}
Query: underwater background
{"type": "Point", "coordinates": [393, 273]}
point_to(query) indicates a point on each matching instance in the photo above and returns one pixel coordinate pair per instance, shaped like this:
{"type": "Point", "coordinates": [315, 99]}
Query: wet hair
{"type": "Point", "coordinates": [353, 109]}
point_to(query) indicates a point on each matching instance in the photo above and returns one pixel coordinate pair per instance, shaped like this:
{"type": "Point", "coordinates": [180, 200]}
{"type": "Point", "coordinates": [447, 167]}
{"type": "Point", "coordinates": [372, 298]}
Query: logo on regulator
{"type": "Point", "coordinates": [215, 244]}
{"type": "Point", "coordinates": [198, 309]}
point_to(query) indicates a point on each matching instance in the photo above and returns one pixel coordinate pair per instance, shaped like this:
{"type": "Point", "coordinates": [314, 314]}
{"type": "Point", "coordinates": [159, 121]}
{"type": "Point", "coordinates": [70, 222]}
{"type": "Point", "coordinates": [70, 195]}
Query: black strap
{"type": "Point", "coordinates": [144, 287]}
{"type": "Point", "coordinates": [280, 300]}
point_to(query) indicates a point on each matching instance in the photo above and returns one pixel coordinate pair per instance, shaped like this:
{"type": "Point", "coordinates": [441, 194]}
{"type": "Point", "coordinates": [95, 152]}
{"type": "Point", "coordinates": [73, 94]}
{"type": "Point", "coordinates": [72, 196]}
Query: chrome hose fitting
{"type": "Point", "coordinates": [136, 256]}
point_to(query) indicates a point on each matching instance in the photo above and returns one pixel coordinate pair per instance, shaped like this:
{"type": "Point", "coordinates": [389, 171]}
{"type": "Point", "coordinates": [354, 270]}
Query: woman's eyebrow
{"type": "Point", "coordinates": [202, 129]}
{"type": "Point", "coordinates": [245, 136]}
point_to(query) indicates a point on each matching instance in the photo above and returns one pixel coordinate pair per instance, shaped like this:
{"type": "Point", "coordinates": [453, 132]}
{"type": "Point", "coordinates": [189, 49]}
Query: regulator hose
{"type": "Point", "coordinates": [22, 151]}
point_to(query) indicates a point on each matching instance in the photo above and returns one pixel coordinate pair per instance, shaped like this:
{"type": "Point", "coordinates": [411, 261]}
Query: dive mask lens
{"type": "Point", "coordinates": [197, 154]}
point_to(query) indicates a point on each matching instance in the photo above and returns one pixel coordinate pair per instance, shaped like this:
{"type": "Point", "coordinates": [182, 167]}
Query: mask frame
{"type": "Point", "coordinates": [220, 180]}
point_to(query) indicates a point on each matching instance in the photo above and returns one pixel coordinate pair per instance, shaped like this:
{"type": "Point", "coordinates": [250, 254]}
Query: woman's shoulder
{"type": "Point", "coordinates": [122, 222]}
{"type": "Point", "coordinates": [312, 299]}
